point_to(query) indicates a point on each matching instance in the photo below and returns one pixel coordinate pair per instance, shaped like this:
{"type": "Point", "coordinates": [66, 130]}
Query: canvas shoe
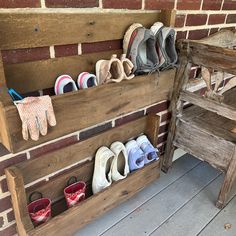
{"type": "Point", "coordinates": [109, 70]}
{"type": "Point", "coordinates": [102, 169]}
{"type": "Point", "coordinates": [64, 84]}
{"type": "Point", "coordinates": [165, 45]}
{"type": "Point", "coordinates": [139, 46]}
{"type": "Point", "coordinates": [120, 166]}
{"type": "Point", "coordinates": [128, 67]}
{"type": "Point", "coordinates": [86, 80]}
{"type": "Point", "coordinates": [135, 155]}
{"type": "Point", "coordinates": [151, 153]}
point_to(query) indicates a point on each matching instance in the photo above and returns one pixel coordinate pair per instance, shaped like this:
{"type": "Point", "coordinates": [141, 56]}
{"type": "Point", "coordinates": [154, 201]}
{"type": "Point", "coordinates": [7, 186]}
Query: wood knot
{"type": "Point", "coordinates": [91, 22]}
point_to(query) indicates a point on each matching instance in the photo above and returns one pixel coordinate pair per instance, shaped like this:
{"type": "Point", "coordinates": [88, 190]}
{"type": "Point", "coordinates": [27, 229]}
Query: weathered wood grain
{"type": "Point", "coordinates": [28, 29]}
{"type": "Point", "coordinates": [42, 74]}
{"type": "Point", "coordinates": [19, 202]}
{"type": "Point", "coordinates": [54, 161]}
{"type": "Point", "coordinates": [70, 221]}
{"type": "Point", "coordinates": [74, 110]}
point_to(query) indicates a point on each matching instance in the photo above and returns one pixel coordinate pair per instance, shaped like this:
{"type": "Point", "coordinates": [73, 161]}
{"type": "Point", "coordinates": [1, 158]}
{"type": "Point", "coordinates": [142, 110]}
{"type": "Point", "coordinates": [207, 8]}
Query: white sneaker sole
{"type": "Point", "coordinates": [128, 35]}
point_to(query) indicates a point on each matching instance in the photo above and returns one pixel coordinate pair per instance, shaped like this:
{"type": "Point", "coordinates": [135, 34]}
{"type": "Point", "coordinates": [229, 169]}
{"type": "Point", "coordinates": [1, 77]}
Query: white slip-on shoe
{"type": "Point", "coordinates": [64, 84]}
{"type": "Point", "coordinates": [102, 169]}
{"type": "Point", "coordinates": [86, 80]}
{"type": "Point", "coordinates": [128, 67]}
{"type": "Point", "coordinates": [120, 166]}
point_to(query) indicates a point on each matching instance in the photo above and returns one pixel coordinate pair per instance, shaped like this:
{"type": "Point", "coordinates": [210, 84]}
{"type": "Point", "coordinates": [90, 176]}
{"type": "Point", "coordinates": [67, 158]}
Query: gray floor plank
{"type": "Point", "coordinates": [180, 167]}
{"type": "Point", "coordinates": [226, 216]}
{"type": "Point", "coordinates": [195, 215]}
{"type": "Point", "coordinates": [153, 213]}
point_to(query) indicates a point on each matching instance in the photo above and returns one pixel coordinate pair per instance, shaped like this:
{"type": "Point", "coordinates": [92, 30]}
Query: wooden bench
{"type": "Point", "coordinates": [206, 130]}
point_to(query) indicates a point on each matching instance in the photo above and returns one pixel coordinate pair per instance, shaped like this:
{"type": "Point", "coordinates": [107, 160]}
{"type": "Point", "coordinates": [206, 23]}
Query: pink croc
{"type": "Point", "coordinates": [86, 80]}
{"type": "Point", "coordinates": [64, 84]}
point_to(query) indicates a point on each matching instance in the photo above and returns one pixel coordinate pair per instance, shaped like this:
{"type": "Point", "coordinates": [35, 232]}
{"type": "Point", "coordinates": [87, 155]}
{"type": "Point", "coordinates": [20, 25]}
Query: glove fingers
{"type": "Point", "coordinates": [43, 125]}
{"type": "Point", "coordinates": [51, 116]}
{"type": "Point", "coordinates": [34, 129]}
{"type": "Point", "coordinates": [25, 132]}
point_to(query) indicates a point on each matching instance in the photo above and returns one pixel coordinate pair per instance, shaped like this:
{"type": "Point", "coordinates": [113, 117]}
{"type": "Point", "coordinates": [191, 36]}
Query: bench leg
{"type": "Point", "coordinates": [229, 179]}
{"type": "Point", "coordinates": [176, 106]}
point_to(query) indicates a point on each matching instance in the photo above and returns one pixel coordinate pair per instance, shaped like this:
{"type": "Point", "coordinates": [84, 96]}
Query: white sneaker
{"type": "Point", "coordinates": [102, 169]}
{"type": "Point", "coordinates": [120, 166]}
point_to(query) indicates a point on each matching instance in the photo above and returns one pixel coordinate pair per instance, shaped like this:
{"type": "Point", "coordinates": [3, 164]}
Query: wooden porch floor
{"type": "Point", "coordinates": [179, 203]}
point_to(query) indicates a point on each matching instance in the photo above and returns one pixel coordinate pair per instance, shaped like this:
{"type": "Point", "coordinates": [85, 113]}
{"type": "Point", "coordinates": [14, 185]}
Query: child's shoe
{"type": "Point", "coordinates": [151, 153]}
{"type": "Point", "coordinates": [64, 84]}
{"type": "Point", "coordinates": [86, 80]}
{"type": "Point", "coordinates": [128, 67]}
{"type": "Point", "coordinates": [120, 166]}
{"type": "Point", "coordinates": [135, 155]}
{"type": "Point", "coordinates": [109, 70]}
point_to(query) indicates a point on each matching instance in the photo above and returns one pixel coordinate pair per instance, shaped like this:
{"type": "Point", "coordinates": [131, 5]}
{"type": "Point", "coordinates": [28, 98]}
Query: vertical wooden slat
{"type": "Point", "coordinates": [16, 187]}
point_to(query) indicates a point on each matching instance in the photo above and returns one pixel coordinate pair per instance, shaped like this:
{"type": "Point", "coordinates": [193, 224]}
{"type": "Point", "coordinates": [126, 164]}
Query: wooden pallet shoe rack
{"type": "Point", "coordinates": [207, 129]}
{"type": "Point", "coordinates": [74, 111]}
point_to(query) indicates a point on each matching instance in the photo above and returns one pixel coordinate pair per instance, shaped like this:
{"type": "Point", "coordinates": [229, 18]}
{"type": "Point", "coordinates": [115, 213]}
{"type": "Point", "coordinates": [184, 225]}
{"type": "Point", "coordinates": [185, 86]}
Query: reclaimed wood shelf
{"type": "Point", "coordinates": [68, 221]}
{"type": "Point", "coordinates": [208, 129]}
{"type": "Point", "coordinates": [40, 28]}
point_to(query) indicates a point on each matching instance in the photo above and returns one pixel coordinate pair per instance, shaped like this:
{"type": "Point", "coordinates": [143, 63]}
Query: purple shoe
{"type": "Point", "coordinates": [151, 153]}
{"type": "Point", "coordinates": [135, 155]}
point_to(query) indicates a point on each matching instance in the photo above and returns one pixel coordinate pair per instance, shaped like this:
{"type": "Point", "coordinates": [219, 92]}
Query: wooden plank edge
{"type": "Point", "coordinates": [16, 187]}
{"type": "Point", "coordinates": [211, 105]}
{"type": "Point", "coordinates": [122, 188]}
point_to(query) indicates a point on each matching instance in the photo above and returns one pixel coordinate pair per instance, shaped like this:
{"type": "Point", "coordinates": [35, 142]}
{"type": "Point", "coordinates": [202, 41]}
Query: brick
{"type": "Point", "coordinates": [159, 4]}
{"type": "Point", "coordinates": [163, 128]}
{"type": "Point", "coordinates": [231, 18]}
{"type": "Point", "coordinates": [10, 216]}
{"type": "Point", "coordinates": [11, 161]}
{"type": "Point", "coordinates": [189, 4]}
{"type": "Point", "coordinates": [229, 5]}
{"type": "Point", "coordinates": [158, 107]}
{"type": "Point", "coordinates": [124, 4]}
{"type": "Point", "coordinates": [198, 34]}
{"type": "Point", "coordinates": [72, 3]}
{"type": "Point", "coordinates": [24, 55]}
{"type": "Point", "coordinates": [19, 3]}
{"type": "Point", "coordinates": [5, 203]}
{"type": "Point", "coordinates": [162, 138]}
{"type": "Point", "coordinates": [211, 4]}
{"type": "Point", "coordinates": [129, 118]}
{"type": "Point", "coordinates": [66, 50]}
{"type": "Point", "coordinates": [213, 30]}
{"type": "Point", "coordinates": [101, 46]}
{"type": "Point", "coordinates": [179, 20]}
{"type": "Point", "coordinates": [9, 231]}
{"type": "Point", "coordinates": [181, 35]}
{"type": "Point", "coordinates": [1, 222]}
{"type": "Point", "coordinates": [166, 117]}
{"type": "Point", "coordinates": [196, 19]}
{"type": "Point", "coordinates": [96, 130]}
{"type": "Point", "coordinates": [216, 19]}
{"type": "Point", "coordinates": [3, 184]}
{"type": "Point", "coordinates": [3, 150]}
{"type": "Point", "coordinates": [228, 28]}
{"type": "Point", "coordinates": [53, 146]}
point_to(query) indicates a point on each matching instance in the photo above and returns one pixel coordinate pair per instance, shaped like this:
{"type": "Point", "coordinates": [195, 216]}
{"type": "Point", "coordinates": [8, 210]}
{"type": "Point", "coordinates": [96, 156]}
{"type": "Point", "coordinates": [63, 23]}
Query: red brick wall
{"type": "Point", "coordinates": [195, 19]}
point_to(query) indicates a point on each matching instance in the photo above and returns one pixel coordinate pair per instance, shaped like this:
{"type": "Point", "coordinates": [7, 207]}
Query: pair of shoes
{"type": "Point", "coordinates": [114, 70]}
{"type": "Point", "coordinates": [110, 165]}
{"type": "Point", "coordinates": [65, 83]}
{"type": "Point", "coordinates": [140, 152]}
{"type": "Point", "coordinates": [150, 49]}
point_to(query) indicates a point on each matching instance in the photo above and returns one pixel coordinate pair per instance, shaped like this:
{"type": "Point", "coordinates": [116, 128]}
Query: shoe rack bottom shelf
{"type": "Point", "coordinates": [69, 221]}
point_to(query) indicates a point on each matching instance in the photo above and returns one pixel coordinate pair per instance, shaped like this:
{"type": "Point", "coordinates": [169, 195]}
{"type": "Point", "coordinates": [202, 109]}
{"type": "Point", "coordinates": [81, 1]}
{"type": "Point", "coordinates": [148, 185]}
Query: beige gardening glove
{"type": "Point", "coordinates": [35, 113]}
